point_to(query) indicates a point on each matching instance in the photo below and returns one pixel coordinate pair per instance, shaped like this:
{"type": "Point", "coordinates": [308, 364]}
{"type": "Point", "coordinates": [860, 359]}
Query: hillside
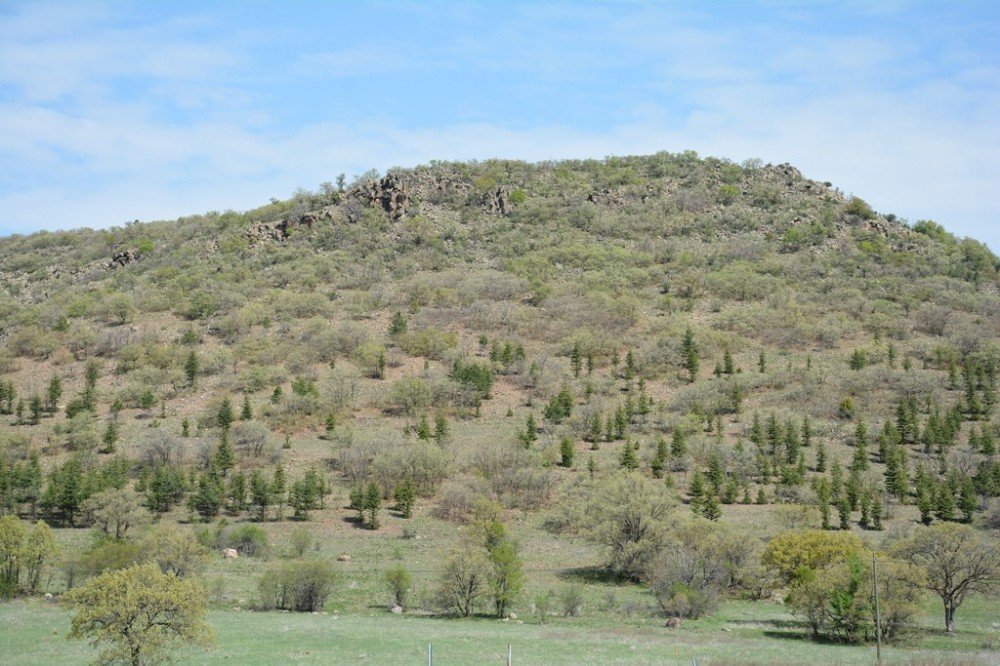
{"type": "Point", "coordinates": [504, 339]}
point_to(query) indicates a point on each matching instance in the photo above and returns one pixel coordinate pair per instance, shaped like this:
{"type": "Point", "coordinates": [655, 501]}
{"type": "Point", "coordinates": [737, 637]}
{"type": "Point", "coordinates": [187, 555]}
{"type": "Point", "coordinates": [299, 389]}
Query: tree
{"type": "Point", "coordinates": [191, 367]}
{"type": "Point", "coordinates": [507, 575]}
{"type": "Point", "coordinates": [792, 554]}
{"type": "Point", "coordinates": [400, 583]}
{"type": "Point", "coordinates": [246, 411]}
{"type": "Point", "coordinates": [176, 551]}
{"type": "Point", "coordinates": [397, 325]}
{"type": "Point", "coordinates": [54, 394]}
{"type": "Point", "coordinates": [260, 494]}
{"type": "Point", "coordinates": [225, 415]}
{"type": "Point", "coordinates": [24, 553]}
{"type": "Point", "coordinates": [957, 561]}
{"type": "Point", "coordinates": [566, 452]}
{"type": "Point", "coordinates": [405, 495]}
{"type": "Point", "coordinates": [626, 514]}
{"type": "Point", "coordinates": [689, 349]}
{"type": "Point", "coordinates": [463, 581]}
{"type": "Point", "coordinates": [115, 512]}
{"type": "Point", "coordinates": [140, 614]}
{"type": "Point", "coordinates": [36, 407]}
{"type": "Point", "coordinates": [575, 359]}
{"type": "Point", "coordinates": [373, 504]}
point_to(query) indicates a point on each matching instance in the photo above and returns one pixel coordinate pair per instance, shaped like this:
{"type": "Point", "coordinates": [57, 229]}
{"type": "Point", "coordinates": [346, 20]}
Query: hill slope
{"type": "Point", "coordinates": [407, 328]}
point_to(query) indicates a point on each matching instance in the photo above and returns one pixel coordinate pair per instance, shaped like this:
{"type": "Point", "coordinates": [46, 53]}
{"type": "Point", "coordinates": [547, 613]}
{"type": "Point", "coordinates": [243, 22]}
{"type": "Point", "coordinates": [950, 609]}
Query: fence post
{"type": "Point", "coordinates": [510, 654]}
{"type": "Point", "coordinates": [430, 654]}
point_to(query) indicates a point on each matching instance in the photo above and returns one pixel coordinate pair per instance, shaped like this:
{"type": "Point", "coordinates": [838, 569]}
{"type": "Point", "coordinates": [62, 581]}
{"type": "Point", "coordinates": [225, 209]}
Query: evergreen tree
{"type": "Point", "coordinates": [246, 412]}
{"type": "Point", "coordinates": [441, 429]}
{"type": "Point", "coordinates": [967, 501]}
{"type": "Point", "coordinates": [36, 407]}
{"type": "Point", "coordinates": [844, 510]}
{"type": "Point", "coordinates": [575, 359]}
{"type": "Point", "coordinates": [821, 457]}
{"type": "Point", "coordinates": [566, 452]}
{"type": "Point", "coordinates": [689, 349]}
{"type": "Point", "coordinates": [944, 503]}
{"type": "Point", "coordinates": [697, 492]}
{"type": "Point", "coordinates": [110, 437]}
{"type": "Point", "coordinates": [191, 367]}
{"type": "Point", "coordinates": [397, 325]}
{"type": "Point", "coordinates": [628, 458]}
{"type": "Point", "coordinates": [224, 458]}
{"type": "Point", "coordinates": [237, 494]}
{"type": "Point", "coordinates": [279, 490]}
{"type": "Point", "coordinates": [206, 500]}
{"type": "Point", "coordinates": [373, 504]}
{"type": "Point", "coordinates": [710, 507]}
{"type": "Point", "coordinates": [925, 505]}
{"type": "Point", "coordinates": [225, 415]}
{"type": "Point", "coordinates": [860, 461]}
{"type": "Point", "coordinates": [54, 394]}
{"type": "Point", "coordinates": [405, 496]}
{"type": "Point", "coordinates": [678, 444]}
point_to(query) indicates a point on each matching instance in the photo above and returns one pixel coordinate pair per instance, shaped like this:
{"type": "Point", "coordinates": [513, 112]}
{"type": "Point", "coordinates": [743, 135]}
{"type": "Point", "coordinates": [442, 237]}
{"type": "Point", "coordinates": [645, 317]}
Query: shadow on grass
{"type": "Point", "coordinates": [591, 575]}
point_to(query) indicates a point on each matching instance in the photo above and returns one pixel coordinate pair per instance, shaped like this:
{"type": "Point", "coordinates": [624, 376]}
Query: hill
{"type": "Point", "coordinates": [507, 340]}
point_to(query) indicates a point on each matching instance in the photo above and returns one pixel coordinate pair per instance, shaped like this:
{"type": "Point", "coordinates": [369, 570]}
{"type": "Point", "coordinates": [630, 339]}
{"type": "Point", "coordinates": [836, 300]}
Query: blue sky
{"type": "Point", "coordinates": [119, 111]}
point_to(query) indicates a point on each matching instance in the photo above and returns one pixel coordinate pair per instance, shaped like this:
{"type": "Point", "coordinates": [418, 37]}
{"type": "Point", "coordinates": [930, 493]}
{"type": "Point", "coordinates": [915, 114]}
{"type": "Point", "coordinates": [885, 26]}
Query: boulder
{"type": "Point", "coordinates": [390, 193]}
{"type": "Point", "coordinates": [396, 610]}
{"type": "Point", "coordinates": [124, 258]}
{"type": "Point", "coordinates": [344, 558]}
{"type": "Point", "coordinates": [230, 553]}
{"type": "Point", "coordinates": [673, 623]}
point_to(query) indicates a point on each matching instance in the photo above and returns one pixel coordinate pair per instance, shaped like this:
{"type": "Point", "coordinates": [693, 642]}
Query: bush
{"type": "Point", "coordinates": [297, 586]}
{"type": "Point", "coordinates": [248, 540]}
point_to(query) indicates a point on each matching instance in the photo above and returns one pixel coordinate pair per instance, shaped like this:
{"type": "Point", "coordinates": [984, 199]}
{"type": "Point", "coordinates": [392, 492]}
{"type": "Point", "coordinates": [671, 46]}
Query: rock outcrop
{"type": "Point", "coordinates": [124, 258]}
{"type": "Point", "coordinates": [497, 201]}
{"type": "Point", "coordinates": [390, 193]}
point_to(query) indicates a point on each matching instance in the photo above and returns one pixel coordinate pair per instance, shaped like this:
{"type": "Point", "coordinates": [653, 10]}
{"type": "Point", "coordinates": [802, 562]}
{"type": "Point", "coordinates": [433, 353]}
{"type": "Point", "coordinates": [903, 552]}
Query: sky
{"type": "Point", "coordinates": [116, 111]}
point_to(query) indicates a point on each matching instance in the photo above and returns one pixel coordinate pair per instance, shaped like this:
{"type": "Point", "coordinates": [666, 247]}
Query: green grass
{"type": "Point", "coordinates": [35, 632]}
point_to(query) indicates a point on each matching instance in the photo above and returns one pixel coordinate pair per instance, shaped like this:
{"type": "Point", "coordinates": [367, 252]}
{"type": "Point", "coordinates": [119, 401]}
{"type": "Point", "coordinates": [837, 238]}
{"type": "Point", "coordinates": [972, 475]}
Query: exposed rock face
{"type": "Point", "coordinates": [282, 229]}
{"type": "Point", "coordinates": [125, 258]}
{"type": "Point", "coordinates": [606, 197]}
{"type": "Point", "coordinates": [498, 201]}
{"type": "Point", "coordinates": [389, 193]}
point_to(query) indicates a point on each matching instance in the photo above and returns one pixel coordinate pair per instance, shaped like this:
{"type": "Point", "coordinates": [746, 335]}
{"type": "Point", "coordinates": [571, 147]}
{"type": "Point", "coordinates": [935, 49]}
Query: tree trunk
{"type": "Point", "coordinates": [949, 617]}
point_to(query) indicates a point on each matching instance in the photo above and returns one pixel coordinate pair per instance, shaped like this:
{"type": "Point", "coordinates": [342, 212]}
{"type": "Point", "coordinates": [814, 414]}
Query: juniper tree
{"type": "Point", "coordinates": [566, 452]}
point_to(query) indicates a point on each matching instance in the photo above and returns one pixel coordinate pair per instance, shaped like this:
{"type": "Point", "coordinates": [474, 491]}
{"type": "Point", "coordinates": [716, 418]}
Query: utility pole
{"type": "Point", "coordinates": [878, 624]}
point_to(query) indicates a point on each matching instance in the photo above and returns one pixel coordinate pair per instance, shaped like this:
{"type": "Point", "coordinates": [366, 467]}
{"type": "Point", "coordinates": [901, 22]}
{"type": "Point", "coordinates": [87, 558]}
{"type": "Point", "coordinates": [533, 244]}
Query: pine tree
{"type": "Point", "coordinates": [441, 429]}
{"type": "Point", "coordinates": [246, 412]}
{"type": "Point", "coordinates": [860, 462]}
{"type": "Point", "coordinates": [716, 473]}
{"type": "Point", "coordinates": [944, 503]}
{"type": "Point", "coordinates": [821, 457]}
{"type": "Point", "coordinates": [678, 444]}
{"type": "Point", "coordinates": [225, 415]}
{"type": "Point", "coordinates": [690, 351]}
{"type": "Point", "coordinates": [237, 493]}
{"type": "Point", "coordinates": [566, 452]}
{"type": "Point", "coordinates": [278, 490]}
{"type": "Point", "coordinates": [191, 367]}
{"type": "Point", "coordinates": [224, 457]}
{"type": "Point", "coordinates": [697, 492]}
{"type": "Point", "coordinates": [53, 394]}
{"type": "Point", "coordinates": [397, 325]}
{"type": "Point", "coordinates": [110, 437]}
{"type": "Point", "coordinates": [844, 510]}
{"type": "Point", "coordinates": [967, 500]}
{"type": "Point", "coordinates": [925, 505]}
{"type": "Point", "coordinates": [660, 457]}
{"type": "Point", "coordinates": [727, 363]}
{"type": "Point", "coordinates": [576, 359]}
{"type": "Point", "coordinates": [405, 496]}
{"type": "Point", "coordinates": [373, 504]}
{"type": "Point", "coordinates": [628, 459]}
{"type": "Point", "coordinates": [423, 428]}
{"type": "Point", "coordinates": [762, 361]}
{"type": "Point", "coordinates": [710, 507]}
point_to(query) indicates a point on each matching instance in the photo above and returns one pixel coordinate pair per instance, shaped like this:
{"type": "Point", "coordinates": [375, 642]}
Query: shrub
{"type": "Point", "coordinates": [250, 540]}
{"type": "Point", "coordinates": [794, 553]}
{"type": "Point", "coordinates": [297, 586]}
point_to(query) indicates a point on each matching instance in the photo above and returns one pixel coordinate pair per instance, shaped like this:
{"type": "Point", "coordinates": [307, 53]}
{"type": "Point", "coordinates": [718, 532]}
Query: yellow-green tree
{"type": "Point", "coordinates": [794, 553]}
{"type": "Point", "coordinates": [138, 615]}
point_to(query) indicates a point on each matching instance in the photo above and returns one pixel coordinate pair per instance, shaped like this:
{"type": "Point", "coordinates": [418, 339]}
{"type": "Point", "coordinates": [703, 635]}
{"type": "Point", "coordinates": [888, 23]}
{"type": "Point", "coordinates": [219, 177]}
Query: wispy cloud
{"type": "Point", "coordinates": [110, 113]}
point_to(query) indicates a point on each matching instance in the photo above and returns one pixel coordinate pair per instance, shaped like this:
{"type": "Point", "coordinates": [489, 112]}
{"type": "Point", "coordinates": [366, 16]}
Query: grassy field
{"type": "Point", "coordinates": [34, 632]}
